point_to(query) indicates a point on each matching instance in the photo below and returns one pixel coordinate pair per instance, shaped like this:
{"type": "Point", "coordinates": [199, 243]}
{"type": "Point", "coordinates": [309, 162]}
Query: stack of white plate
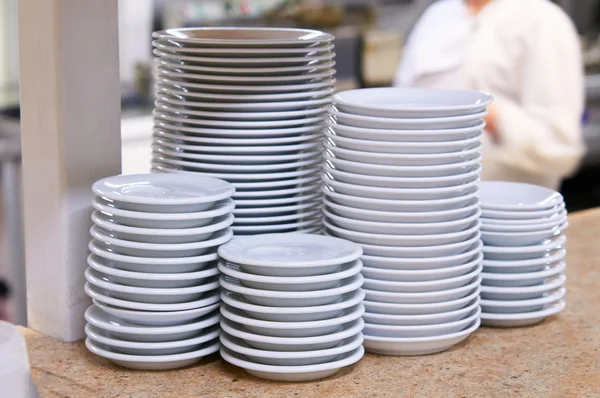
{"type": "Point", "coordinates": [292, 305]}
{"type": "Point", "coordinates": [247, 105]}
{"type": "Point", "coordinates": [524, 257]}
{"type": "Point", "coordinates": [152, 272]}
{"type": "Point", "coordinates": [401, 179]}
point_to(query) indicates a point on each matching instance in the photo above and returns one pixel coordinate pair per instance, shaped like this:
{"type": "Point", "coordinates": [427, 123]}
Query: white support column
{"type": "Point", "coordinates": [70, 123]}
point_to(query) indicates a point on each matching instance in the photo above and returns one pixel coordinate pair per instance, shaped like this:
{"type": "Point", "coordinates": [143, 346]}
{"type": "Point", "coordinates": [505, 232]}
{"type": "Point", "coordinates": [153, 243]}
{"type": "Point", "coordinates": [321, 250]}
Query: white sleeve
{"type": "Point", "coordinates": [542, 133]}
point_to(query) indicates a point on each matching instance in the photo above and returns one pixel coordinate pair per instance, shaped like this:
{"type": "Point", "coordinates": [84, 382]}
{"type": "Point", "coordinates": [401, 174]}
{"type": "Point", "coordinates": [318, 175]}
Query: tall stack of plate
{"type": "Point", "coordinates": [292, 305]}
{"type": "Point", "coordinates": [152, 272]}
{"type": "Point", "coordinates": [524, 256]}
{"type": "Point", "coordinates": [401, 177]}
{"type": "Point", "coordinates": [247, 105]}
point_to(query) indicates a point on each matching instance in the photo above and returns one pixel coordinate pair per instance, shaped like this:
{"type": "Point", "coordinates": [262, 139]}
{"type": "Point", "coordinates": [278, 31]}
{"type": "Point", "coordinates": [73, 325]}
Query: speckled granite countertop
{"type": "Point", "coordinates": [557, 358]}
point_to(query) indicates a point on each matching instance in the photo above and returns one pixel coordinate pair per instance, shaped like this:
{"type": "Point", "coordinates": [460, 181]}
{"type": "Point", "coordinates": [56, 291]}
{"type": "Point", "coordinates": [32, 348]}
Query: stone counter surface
{"type": "Point", "coordinates": [558, 358]}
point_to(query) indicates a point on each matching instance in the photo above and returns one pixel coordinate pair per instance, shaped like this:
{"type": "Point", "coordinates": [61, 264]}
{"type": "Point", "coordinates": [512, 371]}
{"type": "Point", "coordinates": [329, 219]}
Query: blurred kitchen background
{"type": "Point", "coordinates": [369, 42]}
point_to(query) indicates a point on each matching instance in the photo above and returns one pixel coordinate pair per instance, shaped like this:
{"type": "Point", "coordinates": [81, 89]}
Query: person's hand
{"type": "Point", "coordinates": [491, 126]}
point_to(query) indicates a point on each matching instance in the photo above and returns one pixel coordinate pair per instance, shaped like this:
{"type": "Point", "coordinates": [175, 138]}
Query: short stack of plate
{"type": "Point", "coordinates": [291, 305]}
{"type": "Point", "coordinates": [247, 105]}
{"type": "Point", "coordinates": [524, 256]}
{"type": "Point", "coordinates": [401, 177]}
{"type": "Point", "coordinates": [152, 273]}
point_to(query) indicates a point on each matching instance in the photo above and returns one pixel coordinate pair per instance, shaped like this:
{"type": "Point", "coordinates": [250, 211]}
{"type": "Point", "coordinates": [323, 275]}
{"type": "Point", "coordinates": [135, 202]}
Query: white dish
{"type": "Point", "coordinates": [277, 228]}
{"type": "Point", "coordinates": [164, 220]}
{"type": "Point", "coordinates": [177, 48]}
{"type": "Point", "coordinates": [159, 318]}
{"type": "Point", "coordinates": [302, 197]}
{"type": "Point", "coordinates": [220, 142]}
{"type": "Point", "coordinates": [401, 228]}
{"type": "Point", "coordinates": [423, 286]}
{"type": "Point", "coordinates": [162, 250]}
{"type": "Point", "coordinates": [194, 86]}
{"type": "Point", "coordinates": [295, 283]}
{"type": "Point", "coordinates": [532, 265]}
{"type": "Point", "coordinates": [522, 306]}
{"type": "Point", "coordinates": [522, 292]}
{"type": "Point", "coordinates": [417, 346]}
{"type": "Point", "coordinates": [421, 319]}
{"type": "Point", "coordinates": [293, 314]}
{"type": "Point", "coordinates": [160, 235]}
{"type": "Point", "coordinates": [302, 186]}
{"type": "Point", "coordinates": [405, 135]}
{"type": "Point", "coordinates": [292, 373]}
{"type": "Point", "coordinates": [277, 210]}
{"type": "Point", "coordinates": [293, 329]}
{"type": "Point", "coordinates": [418, 257]}
{"type": "Point", "coordinates": [103, 296]}
{"type": "Point", "coordinates": [404, 240]}
{"type": "Point", "coordinates": [149, 264]}
{"type": "Point", "coordinates": [522, 215]}
{"type": "Point", "coordinates": [421, 309]}
{"type": "Point", "coordinates": [173, 71]}
{"type": "Point", "coordinates": [520, 320]}
{"type": "Point", "coordinates": [523, 252]}
{"type": "Point", "coordinates": [150, 295]}
{"type": "Point", "coordinates": [278, 71]}
{"type": "Point", "coordinates": [149, 279]}
{"type": "Point", "coordinates": [162, 193]}
{"type": "Point", "coordinates": [237, 148]}
{"type": "Point", "coordinates": [423, 297]}
{"type": "Point", "coordinates": [128, 331]}
{"type": "Point", "coordinates": [520, 238]}
{"type": "Point", "coordinates": [419, 331]}
{"type": "Point", "coordinates": [527, 222]}
{"type": "Point", "coordinates": [411, 102]}
{"type": "Point", "coordinates": [530, 225]}
{"type": "Point", "coordinates": [516, 196]}
{"type": "Point", "coordinates": [451, 122]}
{"type": "Point", "coordinates": [281, 298]}
{"type": "Point", "coordinates": [248, 98]}
{"type": "Point", "coordinates": [523, 279]}
{"type": "Point", "coordinates": [292, 343]}
{"type": "Point", "coordinates": [307, 213]}
{"type": "Point", "coordinates": [230, 61]}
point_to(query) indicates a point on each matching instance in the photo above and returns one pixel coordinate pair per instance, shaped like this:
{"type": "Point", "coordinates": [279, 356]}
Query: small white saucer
{"type": "Point", "coordinates": [522, 266]}
{"type": "Point", "coordinates": [522, 292]}
{"type": "Point", "coordinates": [519, 320]}
{"type": "Point", "coordinates": [420, 257]}
{"type": "Point", "coordinates": [306, 196]}
{"type": "Point", "coordinates": [523, 252]}
{"type": "Point", "coordinates": [301, 214]}
{"type": "Point", "coordinates": [520, 238]}
{"type": "Point", "coordinates": [522, 306]}
{"type": "Point", "coordinates": [421, 319]}
{"type": "Point", "coordinates": [273, 211]}
{"type": "Point", "coordinates": [522, 216]}
{"type": "Point", "coordinates": [276, 228]}
{"type": "Point", "coordinates": [524, 278]}
{"type": "Point", "coordinates": [560, 219]}
{"type": "Point", "coordinates": [517, 196]}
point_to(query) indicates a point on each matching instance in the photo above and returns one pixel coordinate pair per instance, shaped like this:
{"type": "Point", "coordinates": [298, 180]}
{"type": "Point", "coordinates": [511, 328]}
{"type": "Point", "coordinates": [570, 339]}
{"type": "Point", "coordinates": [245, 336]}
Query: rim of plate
{"type": "Point", "coordinates": [292, 35]}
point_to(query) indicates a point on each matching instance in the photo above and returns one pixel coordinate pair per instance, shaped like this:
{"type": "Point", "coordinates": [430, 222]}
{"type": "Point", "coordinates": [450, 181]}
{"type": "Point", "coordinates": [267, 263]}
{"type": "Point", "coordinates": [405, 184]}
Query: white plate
{"type": "Point", "coordinates": [103, 296]}
{"type": "Point", "coordinates": [522, 306]}
{"type": "Point", "coordinates": [179, 48]}
{"type": "Point", "coordinates": [254, 221]}
{"type": "Point", "coordinates": [150, 348]}
{"type": "Point", "coordinates": [163, 250]}
{"type": "Point", "coordinates": [423, 297]}
{"type": "Point", "coordinates": [421, 309]}
{"type": "Point", "coordinates": [274, 210]}
{"type": "Point", "coordinates": [404, 135]}
{"type": "Point", "coordinates": [293, 329]}
{"type": "Point", "coordinates": [293, 314]}
{"type": "Point", "coordinates": [419, 257]}
{"type": "Point", "coordinates": [522, 292]}
{"type": "Point", "coordinates": [294, 283]}
{"type": "Point", "coordinates": [149, 264]}
{"type": "Point", "coordinates": [370, 122]}
{"type": "Point", "coordinates": [159, 115]}
{"type": "Point", "coordinates": [162, 193]}
{"type": "Point", "coordinates": [520, 238]}
{"type": "Point", "coordinates": [159, 318]}
{"type": "Point", "coordinates": [421, 274]}
{"type": "Point", "coordinates": [151, 280]}
{"type": "Point", "coordinates": [244, 169]}
{"type": "Point", "coordinates": [417, 346]}
{"type": "Point", "coordinates": [422, 286]}
{"type": "Point", "coordinates": [523, 252]}
{"type": "Point", "coordinates": [402, 182]}
{"type": "Point", "coordinates": [294, 186]}
{"type": "Point", "coordinates": [523, 279]}
{"type": "Point", "coordinates": [292, 343]}
{"type": "Point", "coordinates": [529, 227]}
{"type": "Point", "coordinates": [515, 222]}
{"type": "Point", "coordinates": [516, 196]}
{"type": "Point", "coordinates": [520, 320]}
{"type": "Point", "coordinates": [175, 72]}
{"type": "Point", "coordinates": [403, 240]}
{"type": "Point", "coordinates": [164, 220]}
{"type": "Point", "coordinates": [293, 298]}
{"type": "Point", "coordinates": [500, 216]}
{"type": "Point", "coordinates": [399, 205]}
{"type": "Point", "coordinates": [411, 102]}
{"type": "Point", "coordinates": [419, 331]}
{"type": "Point", "coordinates": [240, 149]}
{"type": "Point", "coordinates": [532, 265]}
{"type": "Point", "coordinates": [244, 61]}
{"type": "Point", "coordinates": [248, 98]}
{"type": "Point", "coordinates": [292, 373]}
{"type": "Point", "coordinates": [276, 228]}
{"type": "Point", "coordinates": [302, 198]}
{"type": "Point", "coordinates": [400, 228]}
{"type": "Point", "coordinates": [186, 85]}
{"type": "Point", "coordinates": [277, 71]}
{"type": "Point", "coordinates": [411, 159]}
{"type": "Point", "coordinates": [161, 235]}
{"type": "Point", "coordinates": [124, 330]}
{"type": "Point", "coordinates": [404, 171]}
{"type": "Point", "coordinates": [147, 294]}
{"type": "Point", "coordinates": [423, 319]}
{"type": "Point", "coordinates": [157, 362]}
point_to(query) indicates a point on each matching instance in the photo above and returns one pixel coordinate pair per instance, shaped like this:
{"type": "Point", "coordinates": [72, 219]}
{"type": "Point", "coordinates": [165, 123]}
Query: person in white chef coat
{"type": "Point", "coordinates": [526, 53]}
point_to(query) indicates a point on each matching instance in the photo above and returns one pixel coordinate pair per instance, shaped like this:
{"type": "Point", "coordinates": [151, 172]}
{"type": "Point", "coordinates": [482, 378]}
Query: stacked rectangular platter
{"type": "Point", "coordinates": [401, 175]}
{"type": "Point", "coordinates": [247, 105]}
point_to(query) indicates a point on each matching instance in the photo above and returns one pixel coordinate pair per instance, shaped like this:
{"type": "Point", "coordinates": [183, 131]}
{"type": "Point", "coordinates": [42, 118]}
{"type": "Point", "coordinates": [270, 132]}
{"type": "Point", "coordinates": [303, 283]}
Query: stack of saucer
{"type": "Point", "coordinates": [247, 105]}
{"type": "Point", "coordinates": [152, 272]}
{"type": "Point", "coordinates": [401, 177]}
{"type": "Point", "coordinates": [524, 259]}
{"type": "Point", "coordinates": [292, 305]}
